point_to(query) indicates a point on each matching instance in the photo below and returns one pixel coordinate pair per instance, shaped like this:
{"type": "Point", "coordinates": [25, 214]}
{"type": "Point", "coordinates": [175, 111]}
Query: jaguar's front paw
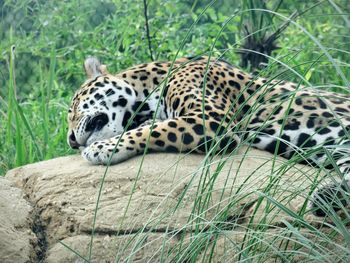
{"type": "Point", "coordinates": [98, 153]}
{"type": "Point", "coordinates": [109, 151]}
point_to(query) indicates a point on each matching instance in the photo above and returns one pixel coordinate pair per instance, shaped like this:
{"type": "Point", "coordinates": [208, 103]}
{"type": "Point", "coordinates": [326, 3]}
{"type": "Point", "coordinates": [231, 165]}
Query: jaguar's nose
{"type": "Point", "coordinates": [73, 142]}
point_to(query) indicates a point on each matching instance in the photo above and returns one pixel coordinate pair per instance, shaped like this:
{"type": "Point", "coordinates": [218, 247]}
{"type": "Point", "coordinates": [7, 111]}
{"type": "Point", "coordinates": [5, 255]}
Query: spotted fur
{"type": "Point", "coordinates": [203, 105]}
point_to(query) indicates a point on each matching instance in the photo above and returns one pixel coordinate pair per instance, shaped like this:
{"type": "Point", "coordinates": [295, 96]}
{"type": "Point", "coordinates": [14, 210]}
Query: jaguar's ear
{"type": "Point", "coordinates": [93, 67]}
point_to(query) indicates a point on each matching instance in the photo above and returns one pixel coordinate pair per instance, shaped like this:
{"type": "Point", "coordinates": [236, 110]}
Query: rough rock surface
{"type": "Point", "coordinates": [16, 236]}
{"type": "Point", "coordinates": [156, 212]}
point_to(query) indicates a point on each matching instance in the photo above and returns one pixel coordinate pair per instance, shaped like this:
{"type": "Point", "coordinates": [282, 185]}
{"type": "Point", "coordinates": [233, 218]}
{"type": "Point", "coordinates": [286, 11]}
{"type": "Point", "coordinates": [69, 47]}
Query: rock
{"type": "Point", "coordinates": [16, 236]}
{"type": "Point", "coordinates": [151, 210]}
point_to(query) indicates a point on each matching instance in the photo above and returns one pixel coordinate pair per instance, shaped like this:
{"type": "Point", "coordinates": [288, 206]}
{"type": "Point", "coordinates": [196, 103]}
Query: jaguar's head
{"type": "Point", "coordinates": [101, 108]}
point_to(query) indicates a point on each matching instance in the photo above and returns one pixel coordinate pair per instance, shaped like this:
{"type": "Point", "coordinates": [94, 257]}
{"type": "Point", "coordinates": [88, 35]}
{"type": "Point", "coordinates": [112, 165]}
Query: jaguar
{"type": "Point", "coordinates": [207, 105]}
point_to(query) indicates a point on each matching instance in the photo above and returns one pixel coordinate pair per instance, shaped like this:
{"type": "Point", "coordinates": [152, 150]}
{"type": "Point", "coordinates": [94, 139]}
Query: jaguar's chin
{"type": "Point", "coordinates": [99, 136]}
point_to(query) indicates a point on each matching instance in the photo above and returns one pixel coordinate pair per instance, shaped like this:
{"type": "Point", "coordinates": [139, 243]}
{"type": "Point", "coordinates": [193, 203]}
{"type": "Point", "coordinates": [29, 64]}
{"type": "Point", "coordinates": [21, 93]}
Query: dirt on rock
{"type": "Point", "coordinates": [151, 210]}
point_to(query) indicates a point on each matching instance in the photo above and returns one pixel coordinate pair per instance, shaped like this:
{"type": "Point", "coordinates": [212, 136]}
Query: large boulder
{"type": "Point", "coordinates": [177, 207]}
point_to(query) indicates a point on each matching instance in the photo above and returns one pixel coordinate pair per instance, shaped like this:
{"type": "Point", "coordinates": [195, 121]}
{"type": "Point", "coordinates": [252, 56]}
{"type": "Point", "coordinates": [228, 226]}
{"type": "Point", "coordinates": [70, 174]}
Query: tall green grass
{"type": "Point", "coordinates": [36, 129]}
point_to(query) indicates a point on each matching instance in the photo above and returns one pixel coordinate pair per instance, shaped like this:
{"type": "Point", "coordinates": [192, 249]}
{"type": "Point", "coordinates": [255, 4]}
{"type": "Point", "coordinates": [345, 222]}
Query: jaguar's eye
{"type": "Point", "coordinates": [97, 123]}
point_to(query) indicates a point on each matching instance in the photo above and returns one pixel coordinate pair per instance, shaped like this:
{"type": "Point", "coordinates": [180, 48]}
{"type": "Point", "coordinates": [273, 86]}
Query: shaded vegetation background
{"type": "Point", "coordinates": [44, 43]}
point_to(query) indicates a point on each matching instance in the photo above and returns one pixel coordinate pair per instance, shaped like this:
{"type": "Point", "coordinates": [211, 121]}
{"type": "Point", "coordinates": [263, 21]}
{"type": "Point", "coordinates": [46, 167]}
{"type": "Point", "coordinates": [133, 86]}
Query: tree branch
{"type": "Point", "coordinates": [147, 29]}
